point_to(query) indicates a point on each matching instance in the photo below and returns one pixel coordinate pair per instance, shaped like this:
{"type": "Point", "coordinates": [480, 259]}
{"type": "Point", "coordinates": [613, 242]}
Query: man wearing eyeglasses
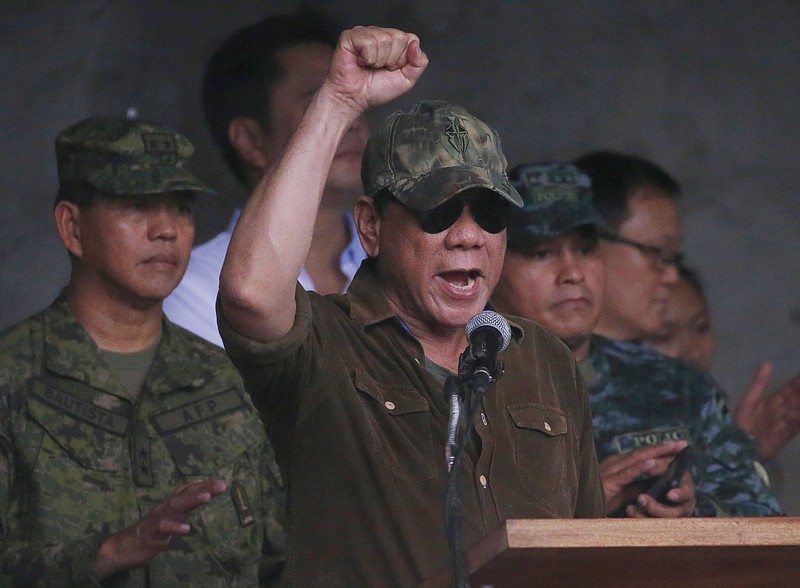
{"type": "Point", "coordinates": [639, 202]}
{"type": "Point", "coordinates": [351, 386]}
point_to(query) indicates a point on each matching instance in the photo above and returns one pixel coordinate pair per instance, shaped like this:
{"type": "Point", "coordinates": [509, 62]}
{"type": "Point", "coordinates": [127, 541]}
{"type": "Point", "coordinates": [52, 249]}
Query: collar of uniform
{"type": "Point", "coordinates": [597, 355]}
{"type": "Point", "coordinates": [71, 352]}
{"type": "Point", "coordinates": [368, 305]}
{"type": "Point", "coordinates": [517, 332]}
{"type": "Point", "coordinates": [183, 360]}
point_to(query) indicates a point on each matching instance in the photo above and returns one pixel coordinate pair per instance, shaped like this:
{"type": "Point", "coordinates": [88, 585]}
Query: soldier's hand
{"type": "Point", "coordinates": [373, 65]}
{"type": "Point", "coordinates": [620, 472]}
{"type": "Point", "coordinates": [142, 541]}
{"type": "Point", "coordinates": [773, 419]}
{"type": "Point", "coordinates": [681, 502]}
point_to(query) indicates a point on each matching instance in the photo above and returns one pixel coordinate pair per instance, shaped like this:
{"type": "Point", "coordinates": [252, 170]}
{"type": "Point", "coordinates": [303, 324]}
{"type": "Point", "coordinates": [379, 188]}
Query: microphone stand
{"type": "Point", "coordinates": [464, 390]}
{"type": "Point", "coordinates": [454, 390]}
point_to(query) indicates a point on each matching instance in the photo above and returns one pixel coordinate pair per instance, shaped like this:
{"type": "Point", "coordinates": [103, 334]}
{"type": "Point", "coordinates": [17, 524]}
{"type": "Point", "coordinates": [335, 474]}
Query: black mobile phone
{"type": "Point", "coordinates": [672, 477]}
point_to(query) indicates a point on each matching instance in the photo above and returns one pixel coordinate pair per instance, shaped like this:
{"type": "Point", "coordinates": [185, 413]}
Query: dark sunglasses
{"type": "Point", "coordinates": [490, 213]}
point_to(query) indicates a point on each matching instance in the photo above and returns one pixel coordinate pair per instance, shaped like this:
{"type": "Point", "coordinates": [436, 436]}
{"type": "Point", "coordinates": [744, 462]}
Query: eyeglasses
{"type": "Point", "coordinates": [658, 254]}
{"type": "Point", "coordinates": [490, 212]}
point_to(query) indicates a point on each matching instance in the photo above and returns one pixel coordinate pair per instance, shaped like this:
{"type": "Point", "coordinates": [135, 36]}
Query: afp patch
{"type": "Point", "coordinates": [197, 412]}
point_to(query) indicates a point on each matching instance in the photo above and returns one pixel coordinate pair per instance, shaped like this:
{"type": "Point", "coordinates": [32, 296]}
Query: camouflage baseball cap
{"type": "Point", "coordinates": [121, 156]}
{"type": "Point", "coordinates": [431, 152]}
{"type": "Point", "coordinates": [557, 198]}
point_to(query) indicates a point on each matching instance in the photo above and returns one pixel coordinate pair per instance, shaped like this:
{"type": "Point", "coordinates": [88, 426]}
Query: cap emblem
{"type": "Point", "coordinates": [457, 135]}
{"type": "Point", "coordinates": [159, 143]}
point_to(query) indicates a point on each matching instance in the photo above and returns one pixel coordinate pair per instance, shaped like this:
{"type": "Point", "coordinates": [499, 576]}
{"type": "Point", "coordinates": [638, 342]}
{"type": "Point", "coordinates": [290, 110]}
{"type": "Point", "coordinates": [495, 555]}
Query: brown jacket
{"type": "Point", "coordinates": [359, 428]}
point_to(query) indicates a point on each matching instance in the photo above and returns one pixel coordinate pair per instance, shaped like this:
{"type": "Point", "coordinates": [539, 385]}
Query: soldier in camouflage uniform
{"type": "Point", "coordinates": [646, 407]}
{"type": "Point", "coordinates": [130, 454]}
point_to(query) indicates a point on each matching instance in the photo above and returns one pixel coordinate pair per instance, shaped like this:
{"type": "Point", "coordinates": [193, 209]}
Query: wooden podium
{"type": "Point", "coordinates": [635, 553]}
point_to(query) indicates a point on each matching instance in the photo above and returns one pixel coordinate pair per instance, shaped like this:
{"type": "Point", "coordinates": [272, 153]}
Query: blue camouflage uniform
{"type": "Point", "coordinates": [640, 397]}
{"type": "Point", "coordinates": [80, 460]}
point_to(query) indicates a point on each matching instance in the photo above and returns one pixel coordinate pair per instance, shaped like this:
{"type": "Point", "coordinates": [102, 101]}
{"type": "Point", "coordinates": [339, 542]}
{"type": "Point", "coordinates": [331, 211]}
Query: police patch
{"type": "Point", "coordinates": [627, 442]}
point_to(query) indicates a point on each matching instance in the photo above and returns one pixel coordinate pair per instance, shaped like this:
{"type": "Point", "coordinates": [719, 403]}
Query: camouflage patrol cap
{"type": "Point", "coordinates": [557, 198]}
{"type": "Point", "coordinates": [121, 156]}
{"type": "Point", "coordinates": [431, 152]}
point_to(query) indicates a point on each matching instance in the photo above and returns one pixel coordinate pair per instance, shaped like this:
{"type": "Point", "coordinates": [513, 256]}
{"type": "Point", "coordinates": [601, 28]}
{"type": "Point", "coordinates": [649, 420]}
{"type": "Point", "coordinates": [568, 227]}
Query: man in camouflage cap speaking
{"type": "Point", "coordinates": [350, 386]}
{"type": "Point", "coordinates": [130, 454]}
{"type": "Point", "coordinates": [646, 407]}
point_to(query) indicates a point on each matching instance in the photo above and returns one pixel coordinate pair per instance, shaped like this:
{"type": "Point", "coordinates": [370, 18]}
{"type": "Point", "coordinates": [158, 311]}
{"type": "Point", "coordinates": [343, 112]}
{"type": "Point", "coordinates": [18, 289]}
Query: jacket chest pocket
{"type": "Point", "coordinates": [400, 426]}
{"type": "Point", "coordinates": [540, 450]}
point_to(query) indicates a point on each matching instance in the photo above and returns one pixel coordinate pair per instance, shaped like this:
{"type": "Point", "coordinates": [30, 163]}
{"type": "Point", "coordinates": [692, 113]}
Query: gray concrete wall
{"type": "Point", "coordinates": [708, 89]}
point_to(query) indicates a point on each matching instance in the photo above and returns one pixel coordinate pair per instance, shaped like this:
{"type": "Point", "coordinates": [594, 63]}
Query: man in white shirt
{"type": "Point", "coordinates": [256, 88]}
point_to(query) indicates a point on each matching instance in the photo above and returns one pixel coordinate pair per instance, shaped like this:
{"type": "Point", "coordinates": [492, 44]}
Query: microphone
{"type": "Point", "coordinates": [489, 334]}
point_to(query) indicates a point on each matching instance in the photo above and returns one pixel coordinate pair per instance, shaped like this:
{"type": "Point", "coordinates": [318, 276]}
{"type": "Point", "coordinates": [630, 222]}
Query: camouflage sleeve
{"type": "Point", "coordinates": [25, 561]}
{"type": "Point", "coordinates": [593, 501]}
{"type": "Point", "coordinates": [727, 480]}
{"type": "Point", "coordinates": [273, 500]}
{"type": "Point", "coordinates": [6, 474]}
